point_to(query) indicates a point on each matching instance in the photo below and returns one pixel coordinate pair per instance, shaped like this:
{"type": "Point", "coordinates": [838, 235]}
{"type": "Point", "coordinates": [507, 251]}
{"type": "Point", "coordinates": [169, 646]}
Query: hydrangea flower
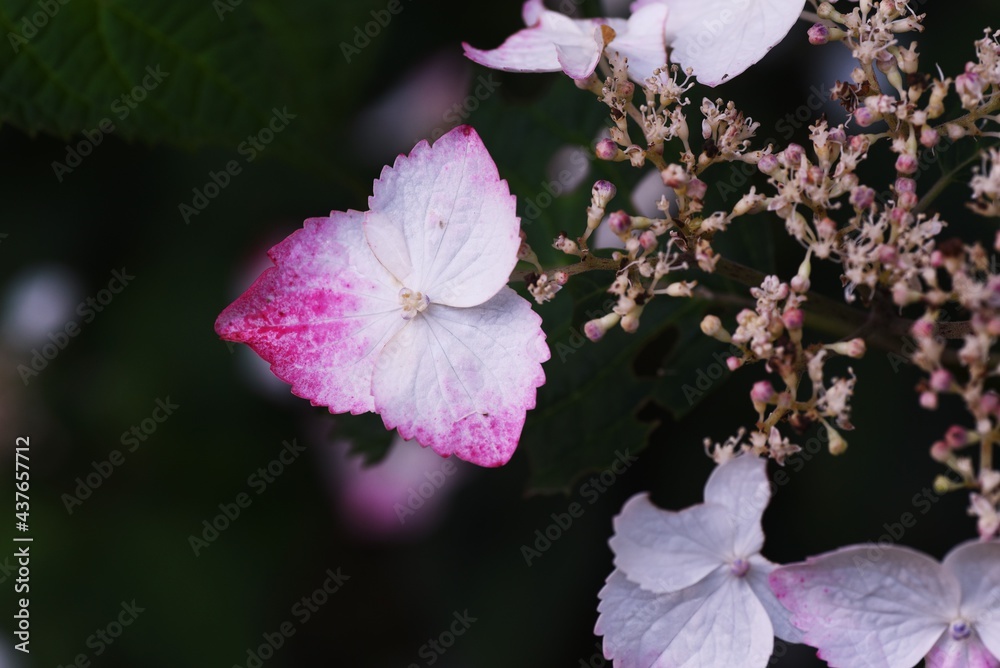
{"type": "Point", "coordinates": [404, 309]}
{"type": "Point", "coordinates": [553, 42]}
{"type": "Point", "coordinates": [719, 39]}
{"type": "Point", "coordinates": [869, 606]}
{"type": "Point", "coordinates": [690, 588]}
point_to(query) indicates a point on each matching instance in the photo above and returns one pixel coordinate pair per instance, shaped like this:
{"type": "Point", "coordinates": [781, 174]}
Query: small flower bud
{"type": "Point", "coordinates": [929, 137]}
{"type": "Point", "coordinates": [940, 452]}
{"type": "Point", "coordinates": [837, 444]}
{"type": "Point", "coordinates": [818, 34]}
{"type": "Point", "coordinates": [943, 485]}
{"type": "Point", "coordinates": [864, 117]}
{"type": "Point", "coordinates": [733, 363]}
{"type": "Point", "coordinates": [712, 326]}
{"type": "Point", "coordinates": [596, 329]}
{"type": "Point", "coordinates": [956, 437]}
{"type": "Point", "coordinates": [922, 329]}
{"type": "Point", "coordinates": [941, 380]}
{"type": "Point", "coordinates": [607, 149]}
{"type": "Point", "coordinates": [619, 222]}
{"type": "Point", "coordinates": [696, 188]}
{"type": "Point", "coordinates": [630, 321]}
{"type": "Point", "coordinates": [768, 164]}
{"type": "Point", "coordinates": [793, 155]}
{"type": "Point", "coordinates": [762, 392]}
{"type": "Point", "coordinates": [674, 176]}
{"type": "Point", "coordinates": [862, 197]}
{"type": "Point", "coordinates": [990, 402]}
{"type": "Point", "coordinates": [855, 348]}
{"type": "Point", "coordinates": [603, 192]}
{"type": "Point", "coordinates": [928, 401]}
{"type": "Point", "coordinates": [648, 240]}
{"type": "Point", "coordinates": [793, 318]}
{"type": "Point", "coordinates": [800, 284]}
{"type": "Point", "coordinates": [906, 164]}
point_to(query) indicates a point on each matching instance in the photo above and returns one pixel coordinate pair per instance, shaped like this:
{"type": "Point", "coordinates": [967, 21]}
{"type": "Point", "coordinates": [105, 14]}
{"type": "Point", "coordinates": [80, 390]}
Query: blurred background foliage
{"type": "Point", "coordinates": [350, 102]}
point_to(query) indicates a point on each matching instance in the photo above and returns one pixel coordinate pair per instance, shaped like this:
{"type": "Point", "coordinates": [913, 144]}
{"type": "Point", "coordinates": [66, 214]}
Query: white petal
{"type": "Point", "coordinates": [666, 551]}
{"type": "Point", "coordinates": [719, 39]}
{"type": "Point", "coordinates": [977, 566]}
{"type": "Point", "coordinates": [642, 41]}
{"type": "Point", "coordinates": [459, 380]}
{"type": "Point", "coordinates": [554, 42]}
{"type": "Point", "coordinates": [966, 653]}
{"type": "Point", "coordinates": [756, 577]}
{"type": "Point", "coordinates": [443, 223]}
{"type": "Point", "coordinates": [867, 606]}
{"type": "Point", "coordinates": [742, 487]}
{"type": "Point", "coordinates": [322, 314]}
{"type": "Point", "coordinates": [717, 622]}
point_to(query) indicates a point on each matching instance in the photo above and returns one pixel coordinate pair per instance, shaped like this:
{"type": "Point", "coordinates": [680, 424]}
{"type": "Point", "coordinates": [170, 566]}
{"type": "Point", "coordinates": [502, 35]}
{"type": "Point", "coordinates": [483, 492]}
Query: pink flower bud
{"type": "Point", "coordinates": [864, 117]}
{"type": "Point", "coordinates": [762, 392]}
{"type": "Point", "coordinates": [648, 240]}
{"type": "Point", "coordinates": [990, 402]}
{"type": "Point", "coordinates": [907, 201]}
{"type": "Point", "coordinates": [768, 164]}
{"type": "Point", "coordinates": [862, 197]}
{"type": "Point", "coordinates": [928, 401]}
{"type": "Point", "coordinates": [603, 192]}
{"type": "Point", "coordinates": [793, 318]}
{"type": "Point", "coordinates": [596, 329]}
{"type": "Point", "coordinates": [800, 284]}
{"type": "Point", "coordinates": [818, 34]}
{"type": "Point", "coordinates": [906, 164]}
{"type": "Point", "coordinates": [940, 452]}
{"type": "Point", "coordinates": [956, 437]}
{"type": "Point", "coordinates": [619, 222]}
{"type": "Point", "coordinates": [837, 135]}
{"type": "Point", "coordinates": [606, 149]}
{"type": "Point", "coordinates": [674, 176]}
{"type": "Point", "coordinates": [929, 137]}
{"type": "Point", "coordinates": [941, 380]}
{"type": "Point", "coordinates": [697, 188]}
{"type": "Point", "coordinates": [733, 363]}
{"type": "Point", "coordinates": [793, 154]}
{"type": "Point", "coordinates": [887, 254]}
{"type": "Point", "coordinates": [922, 329]}
{"type": "Point", "coordinates": [859, 143]}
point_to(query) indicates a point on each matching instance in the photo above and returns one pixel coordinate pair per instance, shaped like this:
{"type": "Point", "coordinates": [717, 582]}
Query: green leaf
{"type": "Point", "coordinates": [588, 409]}
{"type": "Point", "coordinates": [187, 74]}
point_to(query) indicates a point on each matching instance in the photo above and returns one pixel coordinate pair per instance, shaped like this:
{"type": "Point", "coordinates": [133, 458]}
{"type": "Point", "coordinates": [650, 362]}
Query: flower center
{"type": "Point", "coordinates": [960, 630]}
{"type": "Point", "coordinates": [740, 567]}
{"type": "Point", "coordinates": [412, 302]}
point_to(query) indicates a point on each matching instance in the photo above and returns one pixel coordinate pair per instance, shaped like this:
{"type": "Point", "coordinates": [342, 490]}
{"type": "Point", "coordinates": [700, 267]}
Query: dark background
{"type": "Point", "coordinates": [131, 538]}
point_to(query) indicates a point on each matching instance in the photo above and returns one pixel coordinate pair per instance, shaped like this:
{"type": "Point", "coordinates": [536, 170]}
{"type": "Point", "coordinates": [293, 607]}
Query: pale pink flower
{"type": "Point", "coordinates": [690, 587]}
{"type": "Point", "coordinates": [554, 42]}
{"type": "Point", "coordinates": [719, 39]}
{"type": "Point", "coordinates": [404, 309]}
{"type": "Point", "coordinates": [875, 606]}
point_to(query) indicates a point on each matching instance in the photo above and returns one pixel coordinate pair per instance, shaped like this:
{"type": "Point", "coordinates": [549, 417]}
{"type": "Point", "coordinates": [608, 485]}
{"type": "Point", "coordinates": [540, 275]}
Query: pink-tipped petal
{"type": "Point", "coordinates": [665, 551]}
{"type": "Point", "coordinates": [554, 42]}
{"type": "Point", "coordinates": [869, 606]}
{"type": "Point", "coordinates": [459, 380]}
{"type": "Point", "coordinates": [321, 315]}
{"type": "Point", "coordinates": [967, 652]}
{"type": "Point", "coordinates": [717, 622]}
{"type": "Point", "coordinates": [642, 41]}
{"type": "Point", "coordinates": [443, 222]}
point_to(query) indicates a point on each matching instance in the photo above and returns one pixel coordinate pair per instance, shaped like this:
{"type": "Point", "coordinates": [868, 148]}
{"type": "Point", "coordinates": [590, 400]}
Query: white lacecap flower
{"type": "Point", "coordinates": [690, 587]}
{"type": "Point", "coordinates": [875, 606]}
